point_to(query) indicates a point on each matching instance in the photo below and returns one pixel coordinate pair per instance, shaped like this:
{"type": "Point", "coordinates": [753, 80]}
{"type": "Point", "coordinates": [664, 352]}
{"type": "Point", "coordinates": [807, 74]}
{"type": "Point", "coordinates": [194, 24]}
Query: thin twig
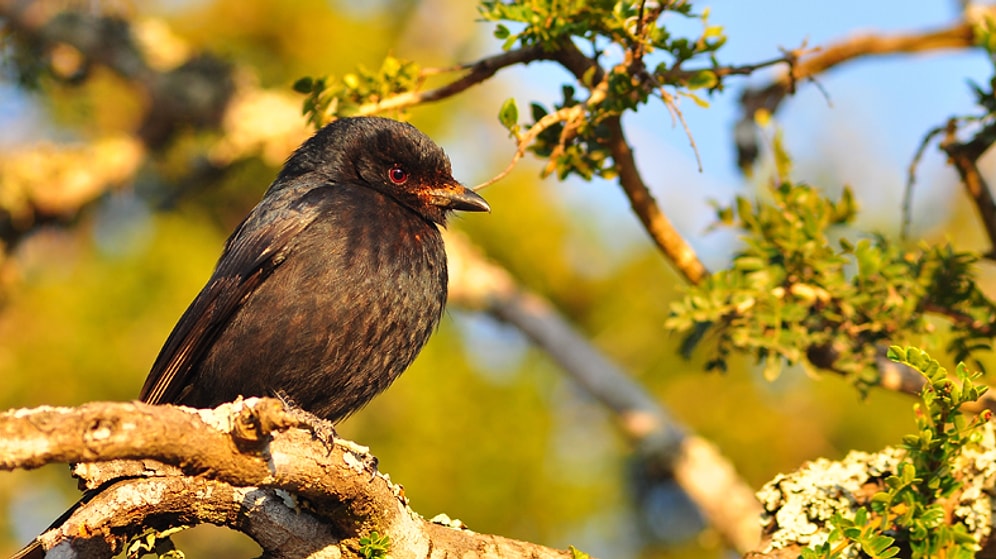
{"type": "Point", "coordinates": [477, 72]}
{"type": "Point", "coordinates": [676, 113]}
{"type": "Point", "coordinates": [907, 208]}
{"type": "Point", "coordinates": [523, 141]}
{"type": "Point", "coordinates": [657, 225]}
{"type": "Point", "coordinates": [959, 35]}
{"type": "Point", "coordinates": [964, 157]}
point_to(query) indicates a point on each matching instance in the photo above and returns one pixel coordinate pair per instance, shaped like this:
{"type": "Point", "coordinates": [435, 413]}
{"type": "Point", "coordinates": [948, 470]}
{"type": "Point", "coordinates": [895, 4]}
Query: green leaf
{"type": "Point", "coordinates": [375, 546]}
{"type": "Point", "coordinates": [698, 100]}
{"type": "Point", "coordinates": [390, 67]}
{"type": "Point", "coordinates": [304, 85]}
{"type": "Point", "coordinates": [705, 78]}
{"type": "Point", "coordinates": [508, 115]}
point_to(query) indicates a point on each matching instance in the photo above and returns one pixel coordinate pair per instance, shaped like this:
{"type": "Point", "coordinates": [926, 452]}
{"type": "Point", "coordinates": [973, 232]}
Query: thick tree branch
{"type": "Point", "coordinates": [661, 230]}
{"type": "Point", "coordinates": [268, 516]}
{"type": "Point", "coordinates": [233, 458]}
{"type": "Point", "coordinates": [698, 467]}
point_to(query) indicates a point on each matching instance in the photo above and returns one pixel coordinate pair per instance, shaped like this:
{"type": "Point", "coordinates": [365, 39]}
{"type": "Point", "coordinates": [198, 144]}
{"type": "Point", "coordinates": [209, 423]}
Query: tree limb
{"type": "Point", "coordinates": [477, 72]}
{"type": "Point", "coordinates": [660, 228]}
{"type": "Point", "coordinates": [236, 458]}
{"type": "Point", "coordinates": [964, 157]}
{"type": "Point", "coordinates": [808, 64]}
{"type": "Point", "coordinates": [708, 478]}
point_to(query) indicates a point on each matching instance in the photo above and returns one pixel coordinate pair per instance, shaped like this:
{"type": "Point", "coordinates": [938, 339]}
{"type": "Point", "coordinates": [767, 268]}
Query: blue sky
{"type": "Point", "coordinates": [861, 129]}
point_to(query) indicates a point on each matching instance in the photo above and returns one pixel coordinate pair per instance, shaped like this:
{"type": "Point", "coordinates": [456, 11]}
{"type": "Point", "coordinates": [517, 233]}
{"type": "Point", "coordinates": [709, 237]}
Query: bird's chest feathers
{"type": "Point", "coordinates": [388, 261]}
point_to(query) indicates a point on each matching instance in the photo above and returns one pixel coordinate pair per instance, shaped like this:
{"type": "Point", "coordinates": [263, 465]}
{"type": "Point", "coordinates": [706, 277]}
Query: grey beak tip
{"type": "Point", "coordinates": [462, 199]}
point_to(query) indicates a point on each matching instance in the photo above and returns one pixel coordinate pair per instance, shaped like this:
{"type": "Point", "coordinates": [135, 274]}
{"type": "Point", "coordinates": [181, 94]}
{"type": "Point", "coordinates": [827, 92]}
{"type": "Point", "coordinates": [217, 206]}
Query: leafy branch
{"type": "Point", "coordinates": [914, 508]}
{"type": "Point", "coordinates": [801, 292]}
{"type": "Point", "coordinates": [580, 135]}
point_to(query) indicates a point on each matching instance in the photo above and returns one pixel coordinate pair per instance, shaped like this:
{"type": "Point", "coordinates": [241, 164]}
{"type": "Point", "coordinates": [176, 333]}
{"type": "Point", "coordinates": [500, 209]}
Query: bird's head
{"type": "Point", "coordinates": [392, 157]}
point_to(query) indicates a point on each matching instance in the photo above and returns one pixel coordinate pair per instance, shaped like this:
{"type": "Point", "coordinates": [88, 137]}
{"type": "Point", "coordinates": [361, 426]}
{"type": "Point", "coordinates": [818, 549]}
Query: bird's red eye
{"type": "Point", "coordinates": [397, 175]}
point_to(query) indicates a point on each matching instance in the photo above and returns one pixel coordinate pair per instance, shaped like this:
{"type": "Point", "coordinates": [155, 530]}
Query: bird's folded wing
{"type": "Point", "coordinates": [257, 247]}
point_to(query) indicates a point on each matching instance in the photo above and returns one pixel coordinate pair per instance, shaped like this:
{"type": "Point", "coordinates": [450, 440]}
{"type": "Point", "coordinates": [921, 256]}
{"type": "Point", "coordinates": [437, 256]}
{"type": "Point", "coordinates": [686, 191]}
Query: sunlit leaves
{"type": "Point", "coordinates": [912, 509]}
{"type": "Point", "coordinates": [858, 531]}
{"type": "Point", "coordinates": [545, 22]}
{"type": "Point", "coordinates": [911, 503]}
{"type": "Point", "coordinates": [593, 28]}
{"type": "Point", "coordinates": [329, 97]}
{"type": "Point", "coordinates": [375, 546]}
{"type": "Point", "coordinates": [579, 150]}
{"type": "Point", "coordinates": [797, 293]}
{"type": "Point", "coordinates": [508, 115]}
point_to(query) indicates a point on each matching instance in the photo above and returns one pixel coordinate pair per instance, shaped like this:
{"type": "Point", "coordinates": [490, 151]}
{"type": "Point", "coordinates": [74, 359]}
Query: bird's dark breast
{"type": "Point", "coordinates": [347, 311]}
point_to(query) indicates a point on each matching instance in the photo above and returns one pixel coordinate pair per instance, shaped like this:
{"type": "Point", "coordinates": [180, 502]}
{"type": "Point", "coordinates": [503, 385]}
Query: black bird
{"type": "Point", "coordinates": [331, 285]}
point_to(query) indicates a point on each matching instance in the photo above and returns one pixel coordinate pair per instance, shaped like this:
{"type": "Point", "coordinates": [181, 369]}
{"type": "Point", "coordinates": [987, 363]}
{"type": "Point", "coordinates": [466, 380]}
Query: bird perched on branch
{"type": "Point", "coordinates": [331, 285]}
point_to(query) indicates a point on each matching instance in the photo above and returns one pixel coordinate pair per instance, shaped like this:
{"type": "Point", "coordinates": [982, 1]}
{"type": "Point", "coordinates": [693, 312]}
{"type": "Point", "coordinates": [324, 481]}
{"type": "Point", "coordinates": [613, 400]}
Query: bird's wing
{"type": "Point", "coordinates": [255, 250]}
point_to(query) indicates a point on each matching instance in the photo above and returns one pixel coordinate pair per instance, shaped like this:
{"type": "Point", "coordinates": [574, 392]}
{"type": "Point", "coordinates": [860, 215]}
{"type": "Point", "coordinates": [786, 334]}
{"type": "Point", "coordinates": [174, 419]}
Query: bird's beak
{"type": "Point", "coordinates": [455, 196]}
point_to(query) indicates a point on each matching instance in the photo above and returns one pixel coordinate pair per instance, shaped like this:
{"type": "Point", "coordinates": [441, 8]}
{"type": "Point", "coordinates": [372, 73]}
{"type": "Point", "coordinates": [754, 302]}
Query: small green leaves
{"type": "Point", "coordinates": [375, 546]}
{"type": "Point", "coordinates": [508, 116]}
{"type": "Point", "coordinates": [913, 509]}
{"type": "Point", "coordinates": [858, 532]}
{"type": "Point", "coordinates": [659, 59]}
{"type": "Point", "coordinates": [582, 152]}
{"type": "Point", "coordinates": [304, 85]}
{"type": "Point", "coordinates": [703, 79]}
{"type": "Point", "coordinates": [910, 501]}
{"type": "Point", "coordinates": [984, 30]}
{"type": "Point", "coordinates": [330, 97]}
{"type": "Point", "coordinates": [799, 290]}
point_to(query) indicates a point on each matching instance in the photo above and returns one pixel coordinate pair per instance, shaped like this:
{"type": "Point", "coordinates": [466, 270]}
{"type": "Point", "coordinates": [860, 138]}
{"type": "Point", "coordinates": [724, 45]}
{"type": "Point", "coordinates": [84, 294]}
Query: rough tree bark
{"type": "Point", "coordinates": [278, 475]}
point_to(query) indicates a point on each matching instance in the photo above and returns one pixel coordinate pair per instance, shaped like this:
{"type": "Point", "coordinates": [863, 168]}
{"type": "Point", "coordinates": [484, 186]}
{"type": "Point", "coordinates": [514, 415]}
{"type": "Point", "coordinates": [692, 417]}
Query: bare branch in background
{"type": "Point", "coordinates": [964, 156]}
{"type": "Point", "coordinates": [813, 62]}
{"type": "Point", "coordinates": [701, 471]}
{"type": "Point", "coordinates": [52, 184]}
